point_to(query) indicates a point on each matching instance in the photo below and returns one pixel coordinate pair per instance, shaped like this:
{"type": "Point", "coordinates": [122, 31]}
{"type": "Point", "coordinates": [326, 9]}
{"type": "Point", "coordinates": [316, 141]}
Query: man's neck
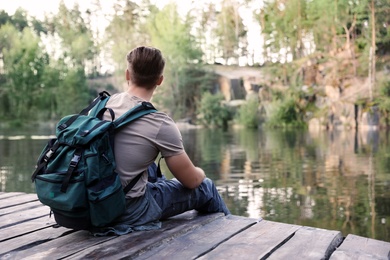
{"type": "Point", "coordinates": [140, 92]}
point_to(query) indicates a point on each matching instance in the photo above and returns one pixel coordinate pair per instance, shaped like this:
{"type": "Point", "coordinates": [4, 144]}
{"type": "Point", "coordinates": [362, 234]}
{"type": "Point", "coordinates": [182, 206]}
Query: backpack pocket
{"type": "Point", "coordinates": [48, 187]}
{"type": "Point", "coordinates": [106, 200]}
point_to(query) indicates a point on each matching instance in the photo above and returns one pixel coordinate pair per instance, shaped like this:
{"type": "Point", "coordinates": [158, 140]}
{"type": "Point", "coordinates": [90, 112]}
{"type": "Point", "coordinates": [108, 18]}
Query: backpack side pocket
{"type": "Point", "coordinates": [106, 200]}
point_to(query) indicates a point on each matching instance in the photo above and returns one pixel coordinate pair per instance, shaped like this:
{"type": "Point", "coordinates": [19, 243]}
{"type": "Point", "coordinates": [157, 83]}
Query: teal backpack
{"type": "Point", "coordinates": [75, 174]}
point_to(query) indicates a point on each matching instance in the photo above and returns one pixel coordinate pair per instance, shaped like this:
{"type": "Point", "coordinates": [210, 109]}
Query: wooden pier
{"type": "Point", "coordinates": [27, 232]}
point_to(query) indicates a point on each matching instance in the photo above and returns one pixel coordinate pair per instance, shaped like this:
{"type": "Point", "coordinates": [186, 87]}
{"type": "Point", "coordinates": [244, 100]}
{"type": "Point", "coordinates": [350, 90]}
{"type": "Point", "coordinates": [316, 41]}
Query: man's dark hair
{"type": "Point", "coordinates": [146, 65]}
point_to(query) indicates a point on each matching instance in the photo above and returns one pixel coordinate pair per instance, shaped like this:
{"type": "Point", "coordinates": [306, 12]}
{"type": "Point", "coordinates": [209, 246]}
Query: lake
{"type": "Point", "coordinates": [332, 180]}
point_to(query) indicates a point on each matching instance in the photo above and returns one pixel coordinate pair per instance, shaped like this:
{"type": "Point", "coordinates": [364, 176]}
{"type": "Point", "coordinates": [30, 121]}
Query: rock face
{"type": "Point", "coordinates": [344, 107]}
{"type": "Point", "coordinates": [342, 97]}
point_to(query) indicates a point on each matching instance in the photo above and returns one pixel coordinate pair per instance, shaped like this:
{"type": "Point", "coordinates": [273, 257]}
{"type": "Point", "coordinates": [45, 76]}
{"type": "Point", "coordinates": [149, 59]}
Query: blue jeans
{"type": "Point", "coordinates": [163, 199]}
{"type": "Point", "coordinates": [173, 198]}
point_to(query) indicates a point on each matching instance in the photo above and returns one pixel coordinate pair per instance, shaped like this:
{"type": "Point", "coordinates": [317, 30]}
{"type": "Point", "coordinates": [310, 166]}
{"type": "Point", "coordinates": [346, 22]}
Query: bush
{"type": "Point", "coordinates": [383, 101]}
{"type": "Point", "coordinates": [212, 111]}
{"type": "Point", "coordinates": [248, 115]}
{"type": "Point", "coordinates": [285, 114]}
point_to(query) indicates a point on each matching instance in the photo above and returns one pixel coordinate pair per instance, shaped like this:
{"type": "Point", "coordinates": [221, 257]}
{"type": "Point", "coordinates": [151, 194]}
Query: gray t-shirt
{"type": "Point", "coordinates": [138, 143]}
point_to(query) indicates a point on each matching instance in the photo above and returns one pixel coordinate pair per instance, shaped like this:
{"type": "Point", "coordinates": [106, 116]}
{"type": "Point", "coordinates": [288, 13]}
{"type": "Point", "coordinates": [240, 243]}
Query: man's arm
{"type": "Point", "coordinates": [184, 170]}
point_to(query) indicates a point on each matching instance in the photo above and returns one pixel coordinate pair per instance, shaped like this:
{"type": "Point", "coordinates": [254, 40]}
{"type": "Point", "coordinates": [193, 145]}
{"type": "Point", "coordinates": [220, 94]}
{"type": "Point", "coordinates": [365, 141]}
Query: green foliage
{"type": "Point", "coordinates": [383, 33]}
{"type": "Point", "coordinates": [126, 31]}
{"type": "Point", "coordinates": [213, 113]}
{"type": "Point", "coordinates": [230, 31]}
{"type": "Point", "coordinates": [24, 64]}
{"type": "Point", "coordinates": [171, 33]}
{"type": "Point", "coordinates": [184, 77]}
{"type": "Point", "coordinates": [285, 113]}
{"type": "Point", "coordinates": [248, 114]}
{"type": "Point", "coordinates": [330, 25]}
{"type": "Point", "coordinates": [193, 81]}
{"type": "Point", "coordinates": [383, 101]}
{"type": "Point", "coordinates": [76, 37]}
{"type": "Point", "coordinates": [44, 63]}
{"type": "Point", "coordinates": [19, 19]}
{"type": "Point", "coordinates": [72, 94]}
{"type": "Point", "coordinates": [285, 24]}
{"type": "Point", "coordinates": [34, 86]}
{"type": "Point", "coordinates": [384, 89]}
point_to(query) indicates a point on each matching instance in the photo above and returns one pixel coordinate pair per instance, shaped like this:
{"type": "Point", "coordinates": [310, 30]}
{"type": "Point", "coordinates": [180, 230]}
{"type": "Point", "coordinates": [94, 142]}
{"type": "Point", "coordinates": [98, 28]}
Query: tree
{"type": "Point", "coordinates": [77, 43]}
{"type": "Point", "coordinates": [19, 19]}
{"type": "Point", "coordinates": [33, 84]}
{"type": "Point", "coordinates": [206, 29]}
{"type": "Point", "coordinates": [4, 17]}
{"type": "Point", "coordinates": [285, 28]}
{"type": "Point", "coordinates": [382, 13]}
{"type": "Point", "coordinates": [230, 31]}
{"type": "Point", "coordinates": [24, 64]}
{"type": "Point", "coordinates": [290, 24]}
{"type": "Point", "coordinates": [126, 31]}
{"type": "Point", "coordinates": [213, 112]}
{"type": "Point", "coordinates": [172, 34]}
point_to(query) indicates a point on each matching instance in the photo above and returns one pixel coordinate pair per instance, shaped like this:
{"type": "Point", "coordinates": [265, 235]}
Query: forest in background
{"type": "Point", "coordinates": [50, 67]}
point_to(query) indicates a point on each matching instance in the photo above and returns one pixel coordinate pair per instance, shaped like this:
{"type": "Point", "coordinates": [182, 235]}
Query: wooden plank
{"type": "Point", "coordinates": [27, 232]}
{"type": "Point", "coordinates": [23, 215]}
{"type": "Point", "coordinates": [59, 247]}
{"type": "Point", "coordinates": [31, 238]}
{"type": "Point", "coordinates": [16, 200]}
{"type": "Point", "coordinates": [25, 227]}
{"type": "Point", "coordinates": [139, 242]}
{"type": "Point", "coordinates": [256, 242]}
{"type": "Point", "coordinates": [5, 195]}
{"type": "Point", "coordinates": [24, 206]}
{"type": "Point", "coordinates": [200, 240]}
{"type": "Point", "coordinates": [309, 243]}
{"type": "Point", "coordinates": [357, 247]}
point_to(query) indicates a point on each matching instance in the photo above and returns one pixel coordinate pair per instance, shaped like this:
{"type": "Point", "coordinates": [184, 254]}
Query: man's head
{"type": "Point", "coordinates": [145, 66]}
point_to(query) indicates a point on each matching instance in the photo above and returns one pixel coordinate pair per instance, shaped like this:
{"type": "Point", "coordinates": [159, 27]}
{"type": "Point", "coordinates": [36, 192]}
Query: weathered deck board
{"type": "Point", "coordinates": [4, 195]}
{"type": "Point", "coordinates": [34, 238]}
{"type": "Point", "coordinates": [194, 244]}
{"type": "Point", "coordinates": [137, 243]}
{"type": "Point", "coordinates": [17, 200]}
{"type": "Point", "coordinates": [256, 242]}
{"type": "Point", "coordinates": [309, 243]}
{"type": "Point", "coordinates": [24, 228]}
{"type": "Point", "coordinates": [60, 247]}
{"type": "Point", "coordinates": [22, 216]}
{"type": "Point", "coordinates": [18, 208]}
{"type": "Point", "coordinates": [27, 232]}
{"type": "Point", "coordinates": [357, 247]}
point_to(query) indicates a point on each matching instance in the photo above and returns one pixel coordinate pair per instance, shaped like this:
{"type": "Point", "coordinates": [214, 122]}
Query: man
{"type": "Point", "coordinates": [137, 146]}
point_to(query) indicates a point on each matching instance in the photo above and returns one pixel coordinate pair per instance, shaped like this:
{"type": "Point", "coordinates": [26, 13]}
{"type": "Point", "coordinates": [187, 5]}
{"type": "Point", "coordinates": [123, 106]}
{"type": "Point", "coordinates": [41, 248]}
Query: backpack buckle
{"type": "Point", "coordinates": [75, 160]}
{"type": "Point", "coordinates": [48, 155]}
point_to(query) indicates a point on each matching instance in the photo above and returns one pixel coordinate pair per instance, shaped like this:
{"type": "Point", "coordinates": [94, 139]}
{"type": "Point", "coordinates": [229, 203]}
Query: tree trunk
{"type": "Point", "coordinates": [373, 47]}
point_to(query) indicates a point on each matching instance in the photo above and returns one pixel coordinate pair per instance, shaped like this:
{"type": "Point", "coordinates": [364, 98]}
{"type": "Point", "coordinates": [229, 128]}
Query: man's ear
{"type": "Point", "coordinates": [160, 80]}
{"type": "Point", "coordinates": [127, 75]}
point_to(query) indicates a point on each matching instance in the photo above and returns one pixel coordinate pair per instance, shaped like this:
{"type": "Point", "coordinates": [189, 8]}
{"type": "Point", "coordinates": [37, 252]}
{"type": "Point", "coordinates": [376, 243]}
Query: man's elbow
{"type": "Point", "coordinates": [195, 183]}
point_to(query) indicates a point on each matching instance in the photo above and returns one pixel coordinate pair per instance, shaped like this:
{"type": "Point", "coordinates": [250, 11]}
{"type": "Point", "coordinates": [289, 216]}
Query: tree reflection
{"type": "Point", "coordinates": [321, 179]}
{"type": "Point", "coordinates": [333, 180]}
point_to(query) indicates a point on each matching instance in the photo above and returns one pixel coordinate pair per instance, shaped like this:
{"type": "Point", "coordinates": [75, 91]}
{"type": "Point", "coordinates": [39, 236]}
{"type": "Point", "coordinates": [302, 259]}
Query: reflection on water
{"type": "Point", "coordinates": [338, 180]}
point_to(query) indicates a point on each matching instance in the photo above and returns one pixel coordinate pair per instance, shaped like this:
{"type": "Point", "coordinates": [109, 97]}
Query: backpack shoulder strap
{"type": "Point", "coordinates": [132, 183]}
{"type": "Point", "coordinates": [96, 105]}
{"type": "Point", "coordinates": [100, 103]}
{"type": "Point", "coordinates": [134, 113]}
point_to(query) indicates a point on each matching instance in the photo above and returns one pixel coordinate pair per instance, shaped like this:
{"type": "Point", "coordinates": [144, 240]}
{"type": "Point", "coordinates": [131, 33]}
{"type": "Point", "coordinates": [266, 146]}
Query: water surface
{"type": "Point", "coordinates": [332, 180]}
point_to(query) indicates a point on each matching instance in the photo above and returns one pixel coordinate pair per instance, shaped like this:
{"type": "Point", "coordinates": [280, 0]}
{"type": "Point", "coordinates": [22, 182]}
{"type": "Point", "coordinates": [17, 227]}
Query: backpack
{"type": "Point", "coordinates": [75, 174]}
